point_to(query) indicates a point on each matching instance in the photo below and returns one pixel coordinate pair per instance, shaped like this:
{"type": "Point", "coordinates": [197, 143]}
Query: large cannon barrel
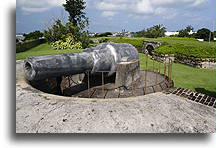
{"type": "Point", "coordinates": [103, 57]}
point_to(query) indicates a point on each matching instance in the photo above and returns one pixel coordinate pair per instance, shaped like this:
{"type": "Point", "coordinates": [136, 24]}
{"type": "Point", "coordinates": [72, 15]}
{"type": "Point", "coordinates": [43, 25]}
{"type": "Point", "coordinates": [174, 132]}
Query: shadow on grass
{"type": "Point", "coordinates": [204, 91]}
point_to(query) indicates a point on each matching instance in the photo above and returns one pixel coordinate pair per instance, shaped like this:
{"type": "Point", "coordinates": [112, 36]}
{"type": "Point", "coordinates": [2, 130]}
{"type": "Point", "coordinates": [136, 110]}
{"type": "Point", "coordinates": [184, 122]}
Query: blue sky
{"type": "Point", "coordinates": [115, 15]}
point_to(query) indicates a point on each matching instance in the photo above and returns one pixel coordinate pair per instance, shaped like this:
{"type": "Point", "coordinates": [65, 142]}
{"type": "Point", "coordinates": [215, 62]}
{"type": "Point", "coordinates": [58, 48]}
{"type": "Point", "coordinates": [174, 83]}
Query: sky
{"type": "Point", "coordinates": [115, 15]}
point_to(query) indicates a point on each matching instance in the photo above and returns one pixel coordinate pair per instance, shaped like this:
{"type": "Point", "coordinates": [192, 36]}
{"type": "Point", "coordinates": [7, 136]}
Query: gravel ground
{"type": "Point", "coordinates": [37, 112]}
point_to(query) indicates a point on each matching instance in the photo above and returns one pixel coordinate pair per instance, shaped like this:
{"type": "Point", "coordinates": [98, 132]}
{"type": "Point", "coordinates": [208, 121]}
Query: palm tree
{"type": "Point", "coordinates": [156, 31]}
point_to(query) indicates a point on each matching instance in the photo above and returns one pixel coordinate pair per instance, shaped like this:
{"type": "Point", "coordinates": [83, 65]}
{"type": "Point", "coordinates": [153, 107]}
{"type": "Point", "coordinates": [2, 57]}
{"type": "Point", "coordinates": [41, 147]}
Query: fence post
{"type": "Point", "coordinates": [145, 89]}
{"type": "Point", "coordinates": [146, 62]}
{"type": "Point", "coordinates": [171, 70]}
{"type": "Point", "coordinates": [165, 72]}
{"type": "Point", "coordinates": [133, 84]}
{"type": "Point", "coordinates": [69, 84]}
{"type": "Point", "coordinates": [156, 79]}
{"type": "Point", "coordinates": [169, 73]}
{"type": "Point", "coordinates": [103, 83]}
{"type": "Point", "coordinates": [88, 85]}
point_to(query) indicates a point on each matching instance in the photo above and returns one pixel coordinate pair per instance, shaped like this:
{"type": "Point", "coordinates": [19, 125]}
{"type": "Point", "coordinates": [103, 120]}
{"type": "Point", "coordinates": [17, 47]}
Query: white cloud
{"type": "Point", "coordinates": [198, 2]}
{"type": "Point", "coordinates": [170, 16]}
{"type": "Point", "coordinates": [29, 9]}
{"type": "Point", "coordinates": [108, 13]}
{"type": "Point", "coordinates": [109, 8]}
{"type": "Point", "coordinates": [109, 5]}
{"type": "Point", "coordinates": [146, 7]}
{"type": "Point", "coordinates": [31, 6]}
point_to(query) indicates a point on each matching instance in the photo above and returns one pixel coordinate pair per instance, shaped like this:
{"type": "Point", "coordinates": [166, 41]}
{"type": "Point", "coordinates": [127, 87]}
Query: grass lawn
{"type": "Point", "coordinates": [200, 80]}
{"type": "Point", "coordinates": [40, 50]}
{"type": "Point", "coordinates": [173, 45]}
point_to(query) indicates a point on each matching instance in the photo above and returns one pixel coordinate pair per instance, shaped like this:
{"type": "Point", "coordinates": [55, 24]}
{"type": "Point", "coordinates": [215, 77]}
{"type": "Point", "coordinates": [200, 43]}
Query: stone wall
{"type": "Point", "coordinates": [163, 57]}
{"type": "Point", "coordinates": [205, 63]}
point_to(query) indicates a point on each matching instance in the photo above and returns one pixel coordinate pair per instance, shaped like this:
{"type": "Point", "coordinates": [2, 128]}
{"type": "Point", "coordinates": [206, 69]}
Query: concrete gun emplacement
{"type": "Point", "coordinates": [103, 57]}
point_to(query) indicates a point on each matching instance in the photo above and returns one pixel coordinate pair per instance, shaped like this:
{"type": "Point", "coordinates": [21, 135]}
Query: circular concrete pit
{"type": "Point", "coordinates": [77, 86]}
{"type": "Point", "coordinates": [40, 112]}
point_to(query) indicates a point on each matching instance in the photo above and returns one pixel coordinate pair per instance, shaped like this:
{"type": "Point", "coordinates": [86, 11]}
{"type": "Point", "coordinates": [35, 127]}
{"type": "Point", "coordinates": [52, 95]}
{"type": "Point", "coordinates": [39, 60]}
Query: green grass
{"type": "Point", "coordinates": [201, 80]}
{"type": "Point", "coordinates": [40, 50]}
{"type": "Point", "coordinates": [187, 47]}
{"type": "Point", "coordinates": [174, 45]}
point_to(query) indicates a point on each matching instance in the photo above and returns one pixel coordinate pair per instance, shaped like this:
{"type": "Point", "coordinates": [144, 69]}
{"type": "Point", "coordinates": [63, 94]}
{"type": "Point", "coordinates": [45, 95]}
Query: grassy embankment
{"type": "Point", "coordinates": [174, 45]}
{"type": "Point", "coordinates": [40, 50]}
{"type": "Point", "coordinates": [201, 80]}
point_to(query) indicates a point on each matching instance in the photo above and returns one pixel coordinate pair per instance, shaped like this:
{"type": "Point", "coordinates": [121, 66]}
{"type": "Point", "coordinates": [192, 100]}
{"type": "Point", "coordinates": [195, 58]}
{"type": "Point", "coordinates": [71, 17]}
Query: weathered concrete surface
{"type": "Point", "coordinates": [37, 112]}
{"type": "Point", "coordinates": [127, 74]}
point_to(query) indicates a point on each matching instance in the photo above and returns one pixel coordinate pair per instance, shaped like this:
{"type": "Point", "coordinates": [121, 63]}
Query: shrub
{"type": "Point", "coordinates": [69, 43]}
{"type": "Point", "coordinates": [60, 31]}
{"type": "Point", "coordinates": [84, 38]}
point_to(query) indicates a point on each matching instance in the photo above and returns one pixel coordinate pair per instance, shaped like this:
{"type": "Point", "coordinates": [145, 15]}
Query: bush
{"type": "Point", "coordinates": [84, 38]}
{"type": "Point", "coordinates": [23, 46]}
{"type": "Point", "coordinates": [69, 43]}
{"type": "Point", "coordinates": [60, 31]}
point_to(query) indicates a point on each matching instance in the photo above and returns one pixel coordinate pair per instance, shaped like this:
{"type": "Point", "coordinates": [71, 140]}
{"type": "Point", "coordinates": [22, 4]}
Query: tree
{"type": "Point", "coordinates": [189, 28]}
{"type": "Point", "coordinates": [141, 33]}
{"type": "Point", "coordinates": [59, 31]}
{"type": "Point", "coordinates": [76, 15]}
{"type": "Point", "coordinates": [152, 32]}
{"type": "Point", "coordinates": [73, 28]}
{"type": "Point", "coordinates": [105, 34]}
{"type": "Point", "coordinates": [33, 35]}
{"type": "Point", "coordinates": [156, 31]}
{"type": "Point", "coordinates": [203, 33]}
{"type": "Point", "coordinates": [183, 33]}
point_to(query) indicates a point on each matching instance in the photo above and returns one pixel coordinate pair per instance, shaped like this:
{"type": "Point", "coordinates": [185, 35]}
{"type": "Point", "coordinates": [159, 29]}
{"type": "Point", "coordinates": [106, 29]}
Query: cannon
{"type": "Point", "coordinates": [103, 57]}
